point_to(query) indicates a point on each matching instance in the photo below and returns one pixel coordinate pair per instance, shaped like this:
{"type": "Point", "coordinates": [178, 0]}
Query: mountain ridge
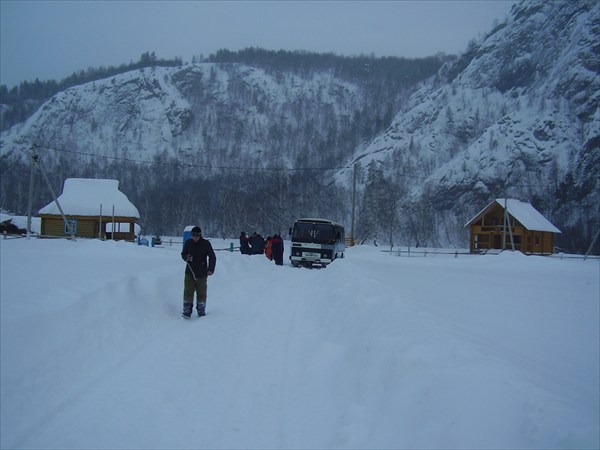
{"type": "Point", "coordinates": [515, 115]}
{"type": "Point", "coordinates": [504, 126]}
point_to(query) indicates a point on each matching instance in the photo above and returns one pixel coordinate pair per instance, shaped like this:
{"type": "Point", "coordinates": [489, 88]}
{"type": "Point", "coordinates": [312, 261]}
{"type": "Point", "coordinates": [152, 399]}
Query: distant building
{"type": "Point", "coordinates": [531, 232]}
{"type": "Point", "coordinates": [8, 222]}
{"type": "Point", "coordinates": [93, 208]}
{"type": "Point", "coordinates": [7, 226]}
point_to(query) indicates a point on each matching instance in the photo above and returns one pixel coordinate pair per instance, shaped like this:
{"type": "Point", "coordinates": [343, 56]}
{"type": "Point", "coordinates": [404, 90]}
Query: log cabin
{"type": "Point", "coordinates": [93, 208]}
{"type": "Point", "coordinates": [505, 223]}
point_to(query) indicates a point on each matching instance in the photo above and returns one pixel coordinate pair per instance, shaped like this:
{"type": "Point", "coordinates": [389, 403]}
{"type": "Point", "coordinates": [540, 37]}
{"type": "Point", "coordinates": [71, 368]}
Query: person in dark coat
{"type": "Point", "coordinates": [244, 244]}
{"type": "Point", "coordinates": [200, 264]}
{"type": "Point", "coordinates": [257, 242]}
{"type": "Point", "coordinates": [277, 249]}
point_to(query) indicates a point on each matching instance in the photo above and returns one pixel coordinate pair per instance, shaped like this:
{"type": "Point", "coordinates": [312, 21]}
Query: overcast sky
{"type": "Point", "coordinates": [51, 39]}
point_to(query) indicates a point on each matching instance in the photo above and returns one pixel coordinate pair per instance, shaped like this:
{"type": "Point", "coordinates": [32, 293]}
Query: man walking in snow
{"type": "Point", "coordinates": [200, 264]}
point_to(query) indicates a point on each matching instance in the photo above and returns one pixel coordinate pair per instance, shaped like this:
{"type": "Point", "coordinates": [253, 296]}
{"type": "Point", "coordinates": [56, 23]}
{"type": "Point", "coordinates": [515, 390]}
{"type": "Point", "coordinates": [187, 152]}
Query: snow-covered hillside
{"type": "Point", "coordinates": [542, 64]}
{"type": "Point", "coordinates": [214, 114]}
{"type": "Point", "coordinates": [375, 351]}
{"type": "Point", "coordinates": [517, 115]}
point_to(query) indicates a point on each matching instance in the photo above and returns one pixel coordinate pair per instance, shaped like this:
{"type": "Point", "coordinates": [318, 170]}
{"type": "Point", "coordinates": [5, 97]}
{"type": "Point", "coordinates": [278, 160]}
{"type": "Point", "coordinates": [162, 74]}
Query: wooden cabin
{"type": "Point", "coordinates": [505, 223]}
{"type": "Point", "coordinates": [93, 208]}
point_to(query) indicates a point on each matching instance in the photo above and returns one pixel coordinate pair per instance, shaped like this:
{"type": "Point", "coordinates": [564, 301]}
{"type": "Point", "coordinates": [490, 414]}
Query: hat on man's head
{"type": "Point", "coordinates": [196, 230]}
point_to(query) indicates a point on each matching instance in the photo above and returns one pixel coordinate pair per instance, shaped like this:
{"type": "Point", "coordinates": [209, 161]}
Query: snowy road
{"type": "Point", "coordinates": [374, 351]}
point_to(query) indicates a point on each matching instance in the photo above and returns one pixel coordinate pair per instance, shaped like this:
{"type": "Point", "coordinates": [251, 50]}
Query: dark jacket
{"type": "Point", "coordinates": [257, 242]}
{"type": "Point", "coordinates": [244, 244]}
{"type": "Point", "coordinates": [277, 249]}
{"type": "Point", "coordinates": [203, 257]}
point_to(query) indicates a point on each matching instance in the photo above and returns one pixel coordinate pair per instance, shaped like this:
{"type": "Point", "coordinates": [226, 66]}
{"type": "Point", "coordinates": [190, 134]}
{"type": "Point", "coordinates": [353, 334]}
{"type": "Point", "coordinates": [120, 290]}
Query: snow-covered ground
{"type": "Point", "coordinates": [375, 351]}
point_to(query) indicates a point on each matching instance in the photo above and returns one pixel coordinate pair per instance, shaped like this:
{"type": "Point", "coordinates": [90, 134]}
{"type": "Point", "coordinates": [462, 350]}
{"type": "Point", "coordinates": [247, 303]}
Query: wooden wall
{"type": "Point", "coordinates": [483, 238]}
{"type": "Point", "coordinates": [87, 227]}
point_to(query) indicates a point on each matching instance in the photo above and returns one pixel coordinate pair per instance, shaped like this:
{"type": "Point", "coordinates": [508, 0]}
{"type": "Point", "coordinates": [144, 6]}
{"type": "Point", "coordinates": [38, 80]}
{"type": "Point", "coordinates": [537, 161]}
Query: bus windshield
{"type": "Point", "coordinates": [314, 232]}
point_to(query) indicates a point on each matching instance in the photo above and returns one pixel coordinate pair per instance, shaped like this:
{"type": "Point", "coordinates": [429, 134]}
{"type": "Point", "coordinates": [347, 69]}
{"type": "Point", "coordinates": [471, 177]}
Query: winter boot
{"type": "Point", "coordinates": [201, 309]}
{"type": "Point", "coordinates": [187, 310]}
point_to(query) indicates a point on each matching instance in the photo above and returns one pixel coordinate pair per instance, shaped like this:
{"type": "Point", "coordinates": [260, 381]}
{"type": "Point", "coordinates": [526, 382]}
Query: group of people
{"type": "Point", "coordinates": [272, 247]}
{"type": "Point", "coordinates": [252, 245]}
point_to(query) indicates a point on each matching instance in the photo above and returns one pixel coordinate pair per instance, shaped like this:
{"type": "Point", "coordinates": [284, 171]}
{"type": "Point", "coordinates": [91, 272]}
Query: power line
{"type": "Point", "coordinates": [188, 165]}
{"type": "Point", "coordinates": [14, 162]}
{"type": "Point", "coordinates": [443, 182]}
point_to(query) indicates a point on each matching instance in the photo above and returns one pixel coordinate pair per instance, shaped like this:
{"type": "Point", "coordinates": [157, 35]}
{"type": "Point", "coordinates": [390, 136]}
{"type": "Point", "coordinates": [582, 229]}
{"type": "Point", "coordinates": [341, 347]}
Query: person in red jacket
{"type": "Point", "coordinates": [268, 252]}
{"type": "Point", "coordinates": [277, 249]}
{"type": "Point", "coordinates": [200, 260]}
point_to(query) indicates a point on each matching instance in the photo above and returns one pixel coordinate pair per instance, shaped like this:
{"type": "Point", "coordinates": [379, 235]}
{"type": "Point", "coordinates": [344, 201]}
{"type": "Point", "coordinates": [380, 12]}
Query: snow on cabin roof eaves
{"type": "Point", "coordinates": [526, 214]}
{"type": "Point", "coordinates": [83, 197]}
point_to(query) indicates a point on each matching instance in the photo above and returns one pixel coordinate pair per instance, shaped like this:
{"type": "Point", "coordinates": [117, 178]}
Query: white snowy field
{"type": "Point", "coordinates": [375, 351]}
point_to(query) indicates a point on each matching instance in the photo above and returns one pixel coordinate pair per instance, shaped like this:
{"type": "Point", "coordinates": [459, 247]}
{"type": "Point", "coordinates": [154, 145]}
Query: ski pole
{"type": "Point", "coordinates": [192, 270]}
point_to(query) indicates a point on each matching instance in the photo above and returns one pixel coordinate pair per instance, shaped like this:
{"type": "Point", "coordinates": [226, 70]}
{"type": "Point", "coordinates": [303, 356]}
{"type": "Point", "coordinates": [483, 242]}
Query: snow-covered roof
{"type": "Point", "coordinates": [83, 197]}
{"type": "Point", "coordinates": [526, 214]}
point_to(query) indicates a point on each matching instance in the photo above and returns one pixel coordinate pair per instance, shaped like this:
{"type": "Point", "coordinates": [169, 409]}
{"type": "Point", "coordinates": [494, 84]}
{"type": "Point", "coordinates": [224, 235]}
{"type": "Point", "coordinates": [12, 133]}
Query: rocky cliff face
{"type": "Point", "coordinates": [516, 116]}
{"type": "Point", "coordinates": [207, 112]}
{"type": "Point", "coordinates": [164, 129]}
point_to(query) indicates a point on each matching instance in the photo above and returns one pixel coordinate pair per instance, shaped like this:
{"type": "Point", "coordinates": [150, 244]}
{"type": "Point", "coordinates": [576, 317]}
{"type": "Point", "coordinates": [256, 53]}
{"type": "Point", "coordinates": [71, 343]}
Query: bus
{"type": "Point", "coordinates": [316, 242]}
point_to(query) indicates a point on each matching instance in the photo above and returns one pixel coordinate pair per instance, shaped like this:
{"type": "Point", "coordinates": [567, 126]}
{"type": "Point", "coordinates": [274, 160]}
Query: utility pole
{"type": "Point", "coordinates": [353, 204]}
{"type": "Point", "coordinates": [506, 222]}
{"type": "Point", "coordinates": [68, 226]}
{"type": "Point", "coordinates": [589, 250]}
{"type": "Point", "coordinates": [34, 159]}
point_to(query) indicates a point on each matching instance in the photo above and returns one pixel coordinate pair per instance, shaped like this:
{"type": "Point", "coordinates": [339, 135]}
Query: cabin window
{"type": "Point", "coordinates": [71, 226]}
